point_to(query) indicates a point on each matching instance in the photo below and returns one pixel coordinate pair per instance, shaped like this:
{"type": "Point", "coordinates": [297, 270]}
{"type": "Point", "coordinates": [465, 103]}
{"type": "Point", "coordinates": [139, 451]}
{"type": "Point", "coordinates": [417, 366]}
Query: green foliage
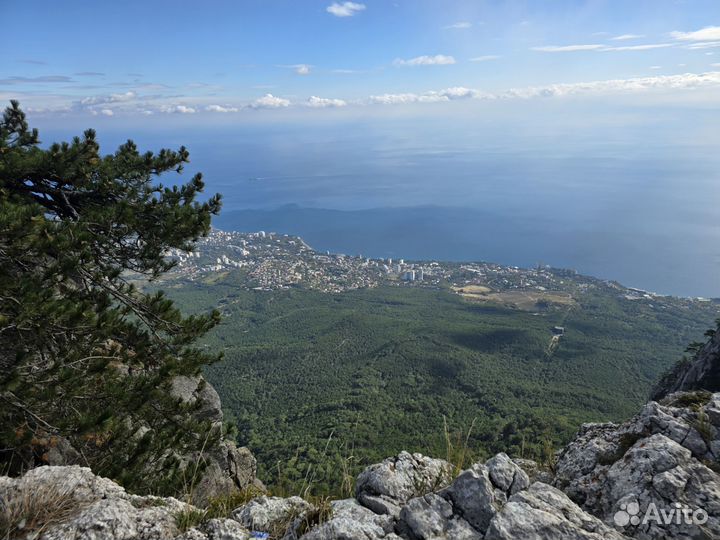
{"type": "Point", "coordinates": [380, 369]}
{"type": "Point", "coordinates": [85, 355]}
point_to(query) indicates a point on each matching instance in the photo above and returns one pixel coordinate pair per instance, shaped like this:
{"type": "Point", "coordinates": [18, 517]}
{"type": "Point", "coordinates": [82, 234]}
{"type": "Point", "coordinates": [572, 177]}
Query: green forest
{"type": "Point", "coordinates": [319, 385]}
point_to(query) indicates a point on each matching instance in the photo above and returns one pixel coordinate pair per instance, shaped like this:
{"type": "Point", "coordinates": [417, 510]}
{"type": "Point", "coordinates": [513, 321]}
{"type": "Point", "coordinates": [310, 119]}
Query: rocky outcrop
{"type": "Point", "coordinates": [650, 478]}
{"type": "Point", "coordinates": [225, 467]}
{"type": "Point", "coordinates": [349, 520]}
{"type": "Point", "coordinates": [700, 373]}
{"type": "Point", "coordinates": [658, 461]}
{"type": "Point", "coordinates": [71, 503]}
{"type": "Point", "coordinates": [387, 486]}
{"type": "Point", "coordinates": [543, 512]}
{"type": "Point", "coordinates": [275, 515]}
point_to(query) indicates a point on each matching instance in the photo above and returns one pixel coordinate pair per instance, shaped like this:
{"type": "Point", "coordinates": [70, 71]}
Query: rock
{"type": "Point", "coordinates": [77, 505]}
{"type": "Point", "coordinates": [77, 482]}
{"type": "Point", "coordinates": [654, 472]}
{"type": "Point", "coordinates": [701, 373]}
{"type": "Point", "coordinates": [227, 468]}
{"type": "Point", "coordinates": [225, 529]}
{"type": "Point", "coordinates": [507, 475]}
{"type": "Point", "coordinates": [535, 472]}
{"type": "Point", "coordinates": [198, 393]}
{"type": "Point", "coordinates": [275, 515]}
{"type": "Point", "coordinates": [472, 495]}
{"type": "Point", "coordinates": [352, 521]}
{"type": "Point", "coordinates": [386, 486]}
{"type": "Point", "coordinates": [583, 464]}
{"type": "Point", "coordinates": [116, 519]}
{"type": "Point", "coordinates": [658, 471]}
{"type": "Point", "coordinates": [431, 517]}
{"type": "Point", "coordinates": [546, 513]}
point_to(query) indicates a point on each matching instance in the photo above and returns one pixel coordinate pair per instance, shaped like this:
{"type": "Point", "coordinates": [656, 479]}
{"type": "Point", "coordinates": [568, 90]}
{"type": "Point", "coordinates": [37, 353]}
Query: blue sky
{"type": "Point", "coordinates": [212, 59]}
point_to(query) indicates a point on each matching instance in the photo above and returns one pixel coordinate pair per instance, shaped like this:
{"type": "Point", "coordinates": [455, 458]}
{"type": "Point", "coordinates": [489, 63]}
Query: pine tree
{"type": "Point", "coordinates": [85, 355]}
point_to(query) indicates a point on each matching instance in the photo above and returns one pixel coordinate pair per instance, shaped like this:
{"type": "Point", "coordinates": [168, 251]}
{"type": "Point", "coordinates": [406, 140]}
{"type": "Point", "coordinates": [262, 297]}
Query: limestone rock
{"type": "Point", "coordinates": [386, 486]}
{"type": "Point", "coordinates": [225, 529]}
{"type": "Point", "coordinates": [472, 495]}
{"type": "Point", "coordinates": [352, 521]}
{"type": "Point", "coordinates": [197, 392]}
{"type": "Point", "coordinates": [507, 475]}
{"type": "Point", "coordinates": [78, 505]}
{"type": "Point", "coordinates": [431, 517]}
{"type": "Point", "coordinates": [655, 462]}
{"type": "Point", "coordinates": [701, 373]}
{"type": "Point", "coordinates": [275, 515]}
{"type": "Point", "coordinates": [545, 513]}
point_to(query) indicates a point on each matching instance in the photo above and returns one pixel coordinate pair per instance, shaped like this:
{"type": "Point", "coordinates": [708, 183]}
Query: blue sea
{"type": "Point", "coordinates": [632, 197]}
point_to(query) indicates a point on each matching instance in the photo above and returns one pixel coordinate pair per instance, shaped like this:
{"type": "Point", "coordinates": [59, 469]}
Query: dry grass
{"type": "Point", "coordinates": [457, 447]}
{"type": "Point", "coordinates": [34, 511]}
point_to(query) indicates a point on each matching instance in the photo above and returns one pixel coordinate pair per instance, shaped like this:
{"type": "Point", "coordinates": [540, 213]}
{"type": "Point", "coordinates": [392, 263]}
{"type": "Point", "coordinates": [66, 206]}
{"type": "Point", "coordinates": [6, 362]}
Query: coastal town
{"type": "Point", "coordinates": [270, 261]}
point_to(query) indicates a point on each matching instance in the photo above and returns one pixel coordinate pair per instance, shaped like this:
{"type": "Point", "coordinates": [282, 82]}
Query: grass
{"type": "Point", "coordinates": [694, 400]}
{"type": "Point", "coordinates": [30, 513]}
{"type": "Point", "coordinates": [220, 507]}
{"type": "Point", "coordinates": [457, 447]}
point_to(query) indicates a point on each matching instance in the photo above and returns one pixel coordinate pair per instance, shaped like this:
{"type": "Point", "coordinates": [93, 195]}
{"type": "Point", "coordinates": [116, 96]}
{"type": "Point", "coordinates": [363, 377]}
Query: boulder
{"type": "Point", "coordinates": [385, 487]}
{"type": "Point", "coordinates": [431, 517]}
{"type": "Point", "coordinates": [352, 521]}
{"type": "Point", "coordinates": [71, 503]}
{"type": "Point", "coordinates": [473, 497]}
{"type": "Point", "coordinates": [275, 515]}
{"type": "Point", "coordinates": [506, 474]}
{"type": "Point", "coordinates": [546, 513]}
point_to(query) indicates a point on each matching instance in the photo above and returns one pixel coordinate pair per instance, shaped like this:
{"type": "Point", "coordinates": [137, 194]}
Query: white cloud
{"type": "Point", "coordinates": [459, 92]}
{"type": "Point", "coordinates": [626, 37]}
{"type": "Point", "coordinates": [425, 60]}
{"type": "Point", "coordinates": [346, 9]}
{"type": "Point", "coordinates": [709, 33]}
{"type": "Point", "coordinates": [179, 109]}
{"type": "Point", "coordinates": [662, 82]}
{"type": "Point", "coordinates": [646, 47]}
{"type": "Point", "coordinates": [716, 64]}
{"type": "Point", "coordinates": [655, 67]}
{"type": "Point", "coordinates": [302, 69]}
{"type": "Point", "coordinates": [106, 112]}
{"type": "Point", "coordinates": [702, 45]}
{"type": "Point", "coordinates": [321, 103]}
{"type": "Point", "coordinates": [568, 48]}
{"type": "Point", "coordinates": [485, 58]}
{"type": "Point", "coordinates": [268, 101]}
{"type": "Point", "coordinates": [606, 87]}
{"type": "Point", "coordinates": [112, 98]}
{"type": "Point", "coordinates": [448, 94]}
{"type": "Point", "coordinates": [598, 47]}
{"type": "Point", "coordinates": [458, 26]}
{"type": "Point", "coordinates": [221, 109]}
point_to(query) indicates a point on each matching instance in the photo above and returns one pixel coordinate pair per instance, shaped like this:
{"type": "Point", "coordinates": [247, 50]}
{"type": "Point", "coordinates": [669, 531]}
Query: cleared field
{"type": "Point", "coordinates": [472, 289]}
{"type": "Point", "coordinates": [524, 300]}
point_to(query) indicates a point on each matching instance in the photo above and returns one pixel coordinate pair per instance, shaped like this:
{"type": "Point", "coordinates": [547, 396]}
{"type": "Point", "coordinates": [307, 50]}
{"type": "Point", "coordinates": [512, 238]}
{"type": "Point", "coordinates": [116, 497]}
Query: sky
{"type": "Point", "coordinates": [233, 61]}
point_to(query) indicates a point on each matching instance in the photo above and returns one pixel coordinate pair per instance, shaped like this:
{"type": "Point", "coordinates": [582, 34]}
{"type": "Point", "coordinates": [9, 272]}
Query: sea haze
{"type": "Point", "coordinates": [631, 196]}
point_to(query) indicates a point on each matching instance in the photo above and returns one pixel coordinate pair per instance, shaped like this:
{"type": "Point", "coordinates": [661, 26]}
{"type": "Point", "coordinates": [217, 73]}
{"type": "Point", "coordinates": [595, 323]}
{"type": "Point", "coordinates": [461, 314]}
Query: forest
{"type": "Point", "coordinates": [319, 385]}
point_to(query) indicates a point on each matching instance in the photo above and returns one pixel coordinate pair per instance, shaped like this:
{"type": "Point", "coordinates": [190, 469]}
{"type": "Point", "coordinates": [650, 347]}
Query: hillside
{"type": "Point", "coordinates": [334, 362]}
